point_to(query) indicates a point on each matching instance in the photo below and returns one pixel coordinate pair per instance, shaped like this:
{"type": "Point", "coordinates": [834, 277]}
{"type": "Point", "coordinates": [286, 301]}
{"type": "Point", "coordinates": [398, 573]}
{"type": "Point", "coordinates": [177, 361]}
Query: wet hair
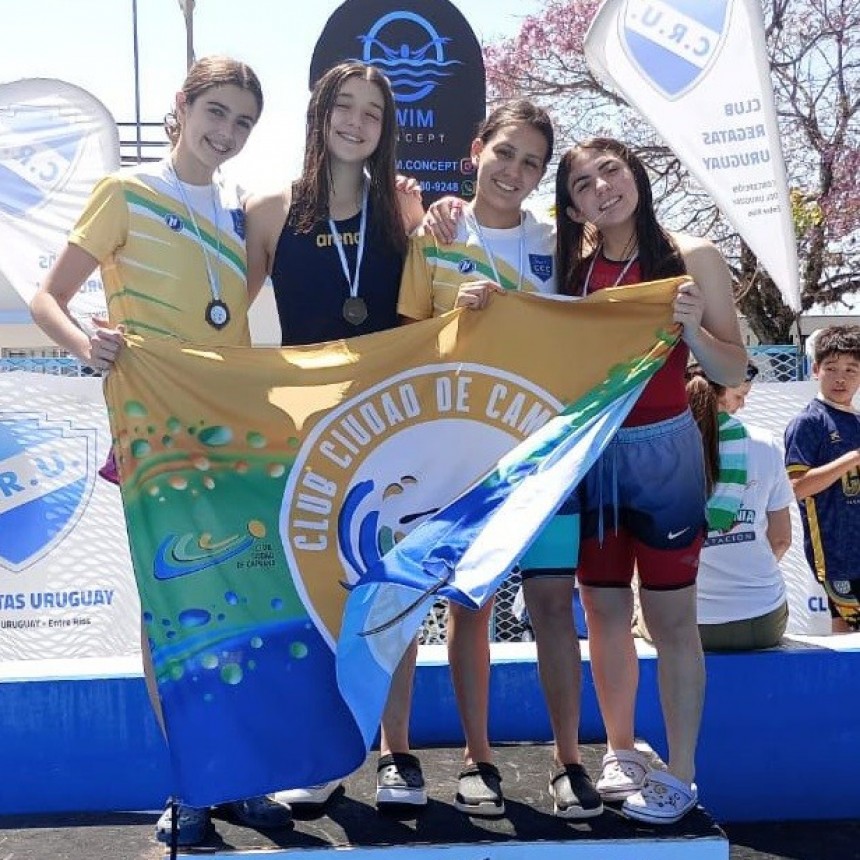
{"type": "Point", "coordinates": [837, 340]}
{"type": "Point", "coordinates": [209, 72]}
{"type": "Point", "coordinates": [519, 112]}
{"type": "Point", "coordinates": [704, 396]}
{"type": "Point", "coordinates": [310, 200]}
{"type": "Point", "coordinates": [659, 256]}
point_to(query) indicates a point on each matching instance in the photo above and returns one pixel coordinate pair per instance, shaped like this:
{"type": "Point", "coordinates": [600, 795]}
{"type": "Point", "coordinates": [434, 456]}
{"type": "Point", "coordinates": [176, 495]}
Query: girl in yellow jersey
{"type": "Point", "coordinates": [169, 239]}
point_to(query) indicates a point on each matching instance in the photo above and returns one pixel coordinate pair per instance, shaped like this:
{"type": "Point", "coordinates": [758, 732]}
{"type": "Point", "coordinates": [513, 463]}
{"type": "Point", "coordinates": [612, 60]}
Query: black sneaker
{"type": "Point", "coordinates": [573, 793]}
{"type": "Point", "coordinates": [479, 791]}
{"type": "Point", "coordinates": [193, 825]}
{"type": "Point", "coordinates": [399, 781]}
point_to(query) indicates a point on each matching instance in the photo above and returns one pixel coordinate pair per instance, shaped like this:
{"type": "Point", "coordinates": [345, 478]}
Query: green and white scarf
{"type": "Point", "coordinates": [725, 501]}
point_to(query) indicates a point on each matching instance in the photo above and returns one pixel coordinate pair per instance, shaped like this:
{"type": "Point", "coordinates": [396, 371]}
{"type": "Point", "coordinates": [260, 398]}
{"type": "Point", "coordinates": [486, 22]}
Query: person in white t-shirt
{"type": "Point", "coordinates": [741, 596]}
{"type": "Point", "coordinates": [741, 599]}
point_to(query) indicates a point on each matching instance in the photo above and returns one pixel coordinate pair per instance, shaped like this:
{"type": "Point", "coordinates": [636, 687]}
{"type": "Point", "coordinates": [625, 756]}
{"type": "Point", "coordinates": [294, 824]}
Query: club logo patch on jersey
{"type": "Point", "coordinates": [237, 216]}
{"type": "Point", "coordinates": [46, 479]}
{"type": "Point", "coordinates": [366, 476]}
{"type": "Point", "coordinates": [174, 222]}
{"type": "Point", "coordinates": [541, 266]}
{"type": "Point", "coordinates": [674, 42]}
{"type": "Point", "coordinates": [465, 266]}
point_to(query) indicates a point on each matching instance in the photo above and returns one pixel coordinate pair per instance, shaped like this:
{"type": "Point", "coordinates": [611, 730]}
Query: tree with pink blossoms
{"type": "Point", "coordinates": [814, 50]}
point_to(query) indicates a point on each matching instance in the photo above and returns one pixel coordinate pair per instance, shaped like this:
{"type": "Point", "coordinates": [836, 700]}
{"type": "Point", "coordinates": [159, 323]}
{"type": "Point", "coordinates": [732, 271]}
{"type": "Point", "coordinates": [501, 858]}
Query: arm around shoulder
{"type": "Point", "coordinates": [411, 207]}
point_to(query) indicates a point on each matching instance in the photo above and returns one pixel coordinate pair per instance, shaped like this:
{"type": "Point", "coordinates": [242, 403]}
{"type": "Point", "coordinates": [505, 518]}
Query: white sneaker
{"type": "Point", "coordinates": [663, 799]}
{"type": "Point", "coordinates": [623, 774]}
{"type": "Point", "coordinates": [313, 795]}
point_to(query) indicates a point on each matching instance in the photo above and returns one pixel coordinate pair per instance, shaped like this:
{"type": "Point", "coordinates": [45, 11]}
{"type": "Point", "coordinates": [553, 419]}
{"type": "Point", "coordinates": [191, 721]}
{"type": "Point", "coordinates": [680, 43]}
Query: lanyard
{"type": "Point", "coordinates": [351, 280]}
{"type": "Point", "coordinates": [486, 248]}
{"type": "Point", "coordinates": [214, 276]}
{"type": "Point", "coordinates": [620, 277]}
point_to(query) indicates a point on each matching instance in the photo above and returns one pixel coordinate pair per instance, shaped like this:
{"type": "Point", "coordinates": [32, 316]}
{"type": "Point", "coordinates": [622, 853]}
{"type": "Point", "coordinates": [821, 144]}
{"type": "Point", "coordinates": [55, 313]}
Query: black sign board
{"type": "Point", "coordinates": [428, 51]}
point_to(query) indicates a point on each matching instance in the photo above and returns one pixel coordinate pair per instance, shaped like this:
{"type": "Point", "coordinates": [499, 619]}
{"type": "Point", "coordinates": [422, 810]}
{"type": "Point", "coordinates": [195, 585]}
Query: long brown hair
{"type": "Point", "coordinates": [209, 72]}
{"type": "Point", "coordinates": [704, 398]}
{"type": "Point", "coordinates": [659, 256]}
{"type": "Point", "coordinates": [311, 191]}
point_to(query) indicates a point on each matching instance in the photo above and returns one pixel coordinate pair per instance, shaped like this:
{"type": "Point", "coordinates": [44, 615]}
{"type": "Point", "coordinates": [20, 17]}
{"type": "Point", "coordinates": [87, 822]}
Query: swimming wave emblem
{"type": "Point", "coordinates": [176, 556]}
{"type": "Point", "coordinates": [674, 43]}
{"type": "Point", "coordinates": [365, 537]}
{"type": "Point", "coordinates": [414, 72]}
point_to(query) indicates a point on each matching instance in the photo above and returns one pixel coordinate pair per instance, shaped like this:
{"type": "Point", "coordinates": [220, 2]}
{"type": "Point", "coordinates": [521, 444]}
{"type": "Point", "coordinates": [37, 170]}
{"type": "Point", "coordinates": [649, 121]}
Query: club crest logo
{"type": "Point", "coordinates": [674, 42]}
{"type": "Point", "coordinates": [367, 474]}
{"type": "Point", "coordinates": [39, 155]}
{"type": "Point", "coordinates": [46, 480]}
{"type": "Point", "coordinates": [414, 68]}
{"type": "Point", "coordinates": [466, 265]}
{"type": "Point", "coordinates": [541, 266]}
{"type": "Point", "coordinates": [237, 216]}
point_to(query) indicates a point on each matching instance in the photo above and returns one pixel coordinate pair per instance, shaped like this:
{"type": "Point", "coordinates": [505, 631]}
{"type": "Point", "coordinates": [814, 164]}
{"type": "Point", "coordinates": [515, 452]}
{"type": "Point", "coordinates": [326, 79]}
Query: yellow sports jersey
{"type": "Point", "coordinates": [522, 257]}
{"type": "Point", "coordinates": [137, 225]}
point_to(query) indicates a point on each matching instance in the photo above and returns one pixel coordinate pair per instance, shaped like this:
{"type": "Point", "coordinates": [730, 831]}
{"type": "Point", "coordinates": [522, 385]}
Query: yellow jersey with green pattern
{"type": "Point", "coordinates": [155, 263]}
{"type": "Point", "coordinates": [521, 257]}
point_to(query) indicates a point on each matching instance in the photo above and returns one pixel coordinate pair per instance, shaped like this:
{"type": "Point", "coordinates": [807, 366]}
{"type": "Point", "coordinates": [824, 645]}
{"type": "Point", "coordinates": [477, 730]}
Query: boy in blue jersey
{"type": "Point", "coordinates": [822, 455]}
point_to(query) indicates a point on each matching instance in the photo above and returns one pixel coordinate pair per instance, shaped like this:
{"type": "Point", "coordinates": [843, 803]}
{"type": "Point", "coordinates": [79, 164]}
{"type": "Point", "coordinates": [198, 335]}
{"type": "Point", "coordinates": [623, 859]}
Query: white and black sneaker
{"type": "Point", "coordinates": [399, 781]}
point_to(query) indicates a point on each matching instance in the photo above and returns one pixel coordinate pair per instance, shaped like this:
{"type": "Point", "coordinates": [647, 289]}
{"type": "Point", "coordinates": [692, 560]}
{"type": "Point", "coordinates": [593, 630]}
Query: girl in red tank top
{"type": "Point", "coordinates": [608, 235]}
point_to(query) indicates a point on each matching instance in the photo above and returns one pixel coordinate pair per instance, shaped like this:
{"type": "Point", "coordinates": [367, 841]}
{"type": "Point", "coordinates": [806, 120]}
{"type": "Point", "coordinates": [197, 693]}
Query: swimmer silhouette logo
{"type": "Point", "coordinates": [673, 43]}
{"type": "Point", "coordinates": [368, 474]}
{"type": "Point", "coordinates": [431, 56]}
{"type": "Point", "coordinates": [46, 480]}
{"type": "Point", "coordinates": [414, 70]}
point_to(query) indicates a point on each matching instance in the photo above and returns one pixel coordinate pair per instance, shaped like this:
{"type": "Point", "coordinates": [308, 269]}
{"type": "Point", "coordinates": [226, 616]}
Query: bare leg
{"type": "Point", "coordinates": [550, 604]}
{"type": "Point", "coordinates": [671, 618]}
{"type": "Point", "coordinates": [394, 736]}
{"type": "Point", "coordinates": [469, 659]}
{"type": "Point", "coordinates": [614, 663]}
{"type": "Point", "coordinates": [839, 625]}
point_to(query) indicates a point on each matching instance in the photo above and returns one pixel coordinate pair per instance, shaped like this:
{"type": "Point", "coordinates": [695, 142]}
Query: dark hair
{"type": "Point", "coordinates": [837, 340]}
{"type": "Point", "coordinates": [659, 256]}
{"type": "Point", "coordinates": [311, 191]}
{"type": "Point", "coordinates": [703, 396]}
{"type": "Point", "coordinates": [209, 72]}
{"type": "Point", "coordinates": [519, 112]}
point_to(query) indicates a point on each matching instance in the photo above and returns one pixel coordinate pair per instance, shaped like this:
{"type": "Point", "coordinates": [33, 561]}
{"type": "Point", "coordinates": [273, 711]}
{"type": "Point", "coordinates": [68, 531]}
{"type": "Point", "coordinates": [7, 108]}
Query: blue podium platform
{"type": "Point", "coordinates": [81, 737]}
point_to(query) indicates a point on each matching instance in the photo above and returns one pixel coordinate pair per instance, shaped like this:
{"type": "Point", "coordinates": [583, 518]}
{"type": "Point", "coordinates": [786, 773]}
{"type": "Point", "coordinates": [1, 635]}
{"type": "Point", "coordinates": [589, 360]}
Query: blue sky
{"type": "Point", "coordinates": [89, 43]}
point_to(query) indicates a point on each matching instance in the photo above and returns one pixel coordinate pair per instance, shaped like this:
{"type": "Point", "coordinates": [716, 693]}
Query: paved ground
{"type": "Point", "coordinates": [352, 819]}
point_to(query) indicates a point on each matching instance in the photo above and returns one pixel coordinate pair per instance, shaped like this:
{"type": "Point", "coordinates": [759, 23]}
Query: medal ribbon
{"type": "Point", "coordinates": [489, 254]}
{"type": "Point", "coordinates": [214, 277]}
{"type": "Point", "coordinates": [352, 281]}
{"type": "Point", "coordinates": [620, 277]}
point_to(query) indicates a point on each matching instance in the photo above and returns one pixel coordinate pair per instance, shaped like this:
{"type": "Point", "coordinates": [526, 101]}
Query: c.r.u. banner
{"type": "Point", "coordinates": [262, 487]}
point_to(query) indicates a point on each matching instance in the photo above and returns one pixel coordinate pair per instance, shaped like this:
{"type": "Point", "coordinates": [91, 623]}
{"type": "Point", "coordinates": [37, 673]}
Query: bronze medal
{"type": "Point", "coordinates": [355, 310]}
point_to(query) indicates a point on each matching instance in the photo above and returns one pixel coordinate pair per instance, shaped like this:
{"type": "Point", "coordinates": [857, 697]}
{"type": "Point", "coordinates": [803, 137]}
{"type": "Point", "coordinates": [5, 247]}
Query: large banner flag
{"type": "Point", "coordinates": [58, 141]}
{"type": "Point", "coordinates": [698, 71]}
{"type": "Point", "coordinates": [67, 591]}
{"type": "Point", "coordinates": [263, 487]}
